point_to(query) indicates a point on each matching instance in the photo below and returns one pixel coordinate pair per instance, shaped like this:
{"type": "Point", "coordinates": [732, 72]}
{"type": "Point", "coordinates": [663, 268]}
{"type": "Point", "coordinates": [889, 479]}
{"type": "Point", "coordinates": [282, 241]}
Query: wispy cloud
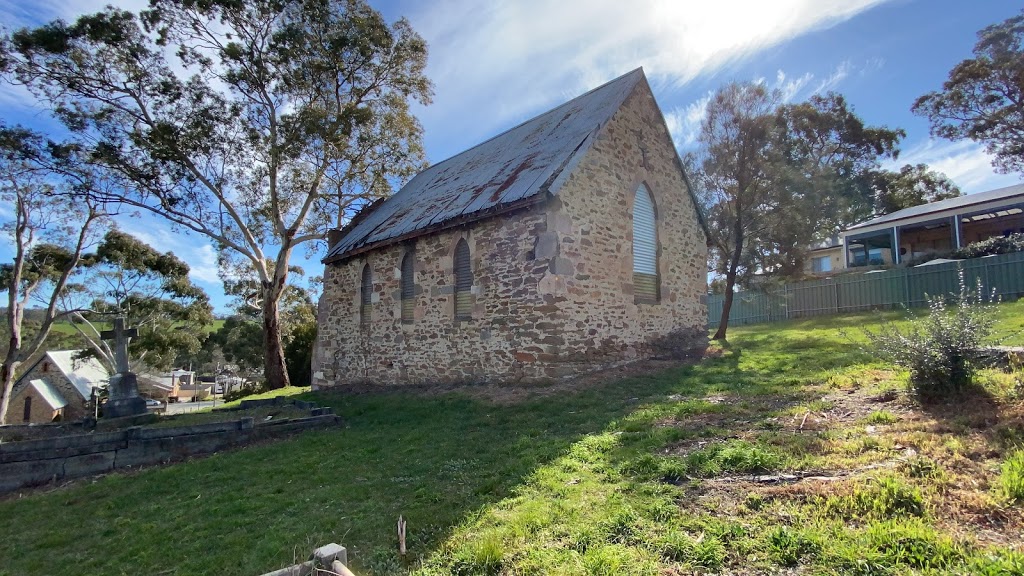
{"type": "Point", "coordinates": [684, 121]}
{"type": "Point", "coordinates": [837, 76]}
{"type": "Point", "coordinates": [964, 162]}
{"type": "Point", "coordinates": [194, 250]}
{"type": "Point", "coordinates": [791, 87]}
{"type": "Point", "coordinates": [524, 55]}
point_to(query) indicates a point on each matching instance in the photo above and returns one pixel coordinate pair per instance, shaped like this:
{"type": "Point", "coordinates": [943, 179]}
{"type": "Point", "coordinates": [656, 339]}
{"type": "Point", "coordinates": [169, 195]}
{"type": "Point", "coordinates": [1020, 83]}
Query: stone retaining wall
{"type": "Point", "coordinates": [35, 462]}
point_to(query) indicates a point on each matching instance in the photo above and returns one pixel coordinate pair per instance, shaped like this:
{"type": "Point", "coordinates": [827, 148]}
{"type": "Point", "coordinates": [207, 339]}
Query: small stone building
{"type": "Point", "coordinates": [57, 386]}
{"type": "Point", "coordinates": [566, 244]}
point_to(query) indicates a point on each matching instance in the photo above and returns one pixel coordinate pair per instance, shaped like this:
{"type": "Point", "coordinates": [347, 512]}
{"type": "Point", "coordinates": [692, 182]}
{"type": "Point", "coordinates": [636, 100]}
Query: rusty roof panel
{"type": "Point", "coordinates": [517, 164]}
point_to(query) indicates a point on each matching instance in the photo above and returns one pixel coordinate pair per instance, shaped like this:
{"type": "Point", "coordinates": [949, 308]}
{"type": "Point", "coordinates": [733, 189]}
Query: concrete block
{"type": "Point", "coordinates": [89, 464]}
{"type": "Point", "coordinates": [325, 555]}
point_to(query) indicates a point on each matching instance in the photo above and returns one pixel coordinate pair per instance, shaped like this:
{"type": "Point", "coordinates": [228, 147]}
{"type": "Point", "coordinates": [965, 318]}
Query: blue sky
{"type": "Point", "coordinates": [497, 63]}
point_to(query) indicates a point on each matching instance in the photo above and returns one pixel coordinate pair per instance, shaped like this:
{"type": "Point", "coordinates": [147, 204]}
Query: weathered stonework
{"type": "Point", "coordinates": [76, 409]}
{"type": "Point", "coordinates": [553, 282]}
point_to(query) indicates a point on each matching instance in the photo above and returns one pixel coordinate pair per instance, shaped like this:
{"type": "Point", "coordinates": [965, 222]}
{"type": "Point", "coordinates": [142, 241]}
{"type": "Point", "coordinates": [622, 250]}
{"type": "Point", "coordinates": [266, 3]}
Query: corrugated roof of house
{"type": "Point", "coordinates": [83, 374]}
{"type": "Point", "coordinates": [948, 204]}
{"type": "Point", "coordinates": [506, 171]}
{"type": "Point", "coordinates": [49, 394]}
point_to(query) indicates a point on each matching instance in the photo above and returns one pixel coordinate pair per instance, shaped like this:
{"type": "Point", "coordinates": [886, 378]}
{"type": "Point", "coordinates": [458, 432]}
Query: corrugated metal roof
{"type": "Point", "coordinates": [949, 204]}
{"type": "Point", "coordinates": [511, 168]}
{"type": "Point", "coordinates": [83, 374]}
{"type": "Point", "coordinates": [49, 394]}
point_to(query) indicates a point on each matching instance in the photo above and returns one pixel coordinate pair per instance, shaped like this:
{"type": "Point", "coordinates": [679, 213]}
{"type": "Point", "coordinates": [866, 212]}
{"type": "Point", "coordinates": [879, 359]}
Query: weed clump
{"type": "Point", "coordinates": [1011, 477]}
{"type": "Point", "coordinates": [735, 456]}
{"type": "Point", "coordinates": [941, 349]}
{"type": "Point", "coordinates": [889, 497]}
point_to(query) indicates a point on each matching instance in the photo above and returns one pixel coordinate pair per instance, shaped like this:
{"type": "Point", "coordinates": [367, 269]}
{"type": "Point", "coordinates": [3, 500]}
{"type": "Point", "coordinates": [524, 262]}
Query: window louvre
{"type": "Point", "coordinates": [365, 296]}
{"type": "Point", "coordinates": [408, 286]}
{"type": "Point", "coordinates": [645, 246]}
{"type": "Point", "coordinates": [463, 281]}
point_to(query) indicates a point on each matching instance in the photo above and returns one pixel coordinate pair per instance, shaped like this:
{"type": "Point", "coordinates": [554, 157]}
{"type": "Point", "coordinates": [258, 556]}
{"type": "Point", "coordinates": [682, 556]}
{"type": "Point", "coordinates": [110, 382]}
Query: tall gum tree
{"type": "Point", "coordinates": [983, 99]}
{"type": "Point", "coordinates": [259, 124]}
{"type": "Point", "coordinates": [50, 233]}
{"type": "Point", "coordinates": [735, 177]}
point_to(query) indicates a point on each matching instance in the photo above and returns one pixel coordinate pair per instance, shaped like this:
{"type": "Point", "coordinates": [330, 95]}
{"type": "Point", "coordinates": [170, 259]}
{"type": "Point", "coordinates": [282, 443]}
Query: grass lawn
{"type": "Point", "coordinates": [789, 452]}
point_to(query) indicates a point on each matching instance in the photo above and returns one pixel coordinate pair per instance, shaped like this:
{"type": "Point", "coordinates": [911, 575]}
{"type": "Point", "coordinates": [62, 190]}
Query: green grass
{"type": "Point", "coordinates": [640, 476]}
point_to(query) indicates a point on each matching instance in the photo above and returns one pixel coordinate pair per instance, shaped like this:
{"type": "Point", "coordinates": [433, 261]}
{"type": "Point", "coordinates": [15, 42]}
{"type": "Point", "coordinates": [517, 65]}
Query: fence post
{"type": "Point", "coordinates": [906, 288]}
{"type": "Point", "coordinates": [835, 296]}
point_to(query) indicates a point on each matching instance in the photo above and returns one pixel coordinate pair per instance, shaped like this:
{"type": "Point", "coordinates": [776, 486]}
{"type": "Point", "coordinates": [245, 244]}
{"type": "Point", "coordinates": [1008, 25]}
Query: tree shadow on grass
{"type": "Point", "coordinates": [439, 461]}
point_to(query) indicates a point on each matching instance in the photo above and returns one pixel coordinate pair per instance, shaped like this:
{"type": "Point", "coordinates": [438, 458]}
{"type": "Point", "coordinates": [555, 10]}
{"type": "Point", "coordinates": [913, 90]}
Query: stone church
{"type": "Point", "coordinates": [568, 243]}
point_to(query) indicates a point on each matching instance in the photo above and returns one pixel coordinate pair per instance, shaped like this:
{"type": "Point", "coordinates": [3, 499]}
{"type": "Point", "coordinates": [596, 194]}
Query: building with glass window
{"type": "Point", "coordinates": [568, 243]}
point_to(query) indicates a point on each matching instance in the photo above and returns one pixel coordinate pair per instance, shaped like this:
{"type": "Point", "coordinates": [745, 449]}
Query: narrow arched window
{"type": "Point", "coordinates": [463, 281]}
{"type": "Point", "coordinates": [366, 296]}
{"type": "Point", "coordinates": [27, 415]}
{"type": "Point", "coordinates": [408, 286]}
{"type": "Point", "coordinates": [645, 247]}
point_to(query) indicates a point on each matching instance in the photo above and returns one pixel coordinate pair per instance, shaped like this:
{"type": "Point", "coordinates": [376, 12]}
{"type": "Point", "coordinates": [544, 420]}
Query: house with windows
{"type": "Point", "coordinates": [58, 386]}
{"type": "Point", "coordinates": [568, 243]}
{"type": "Point", "coordinates": [920, 233]}
{"type": "Point", "coordinates": [934, 229]}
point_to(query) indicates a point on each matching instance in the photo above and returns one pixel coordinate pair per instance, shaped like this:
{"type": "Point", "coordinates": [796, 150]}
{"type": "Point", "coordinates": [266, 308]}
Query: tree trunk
{"type": "Point", "coordinates": [730, 278]}
{"type": "Point", "coordinates": [274, 370]}
{"type": "Point", "coordinates": [7, 375]}
{"type": "Point", "coordinates": [723, 323]}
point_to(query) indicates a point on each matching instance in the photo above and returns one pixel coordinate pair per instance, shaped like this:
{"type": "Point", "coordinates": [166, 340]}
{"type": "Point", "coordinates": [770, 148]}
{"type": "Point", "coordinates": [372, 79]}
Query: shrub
{"type": "Point", "coordinates": [996, 245]}
{"type": "Point", "coordinates": [940, 349]}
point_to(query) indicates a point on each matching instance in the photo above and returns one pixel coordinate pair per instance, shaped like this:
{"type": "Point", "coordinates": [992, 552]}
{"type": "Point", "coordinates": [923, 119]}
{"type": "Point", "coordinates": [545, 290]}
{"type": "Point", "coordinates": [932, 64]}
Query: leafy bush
{"type": "Point", "coordinates": [996, 245]}
{"type": "Point", "coordinates": [940, 349]}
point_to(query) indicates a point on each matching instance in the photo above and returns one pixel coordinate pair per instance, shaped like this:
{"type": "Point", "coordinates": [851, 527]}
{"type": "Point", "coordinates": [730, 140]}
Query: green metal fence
{"type": "Point", "coordinates": [871, 290]}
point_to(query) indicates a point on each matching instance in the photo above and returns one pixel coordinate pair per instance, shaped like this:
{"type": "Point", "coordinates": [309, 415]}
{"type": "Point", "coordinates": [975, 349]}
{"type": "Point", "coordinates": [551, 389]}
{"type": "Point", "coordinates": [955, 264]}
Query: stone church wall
{"type": "Point", "coordinates": [553, 292]}
{"type": "Point", "coordinates": [77, 407]}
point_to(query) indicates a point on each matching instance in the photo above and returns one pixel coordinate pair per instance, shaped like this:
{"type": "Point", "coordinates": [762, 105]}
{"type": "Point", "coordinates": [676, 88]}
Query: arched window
{"type": "Point", "coordinates": [463, 281]}
{"type": "Point", "coordinates": [408, 286]}
{"type": "Point", "coordinates": [645, 247]}
{"type": "Point", "coordinates": [27, 416]}
{"type": "Point", "coordinates": [365, 296]}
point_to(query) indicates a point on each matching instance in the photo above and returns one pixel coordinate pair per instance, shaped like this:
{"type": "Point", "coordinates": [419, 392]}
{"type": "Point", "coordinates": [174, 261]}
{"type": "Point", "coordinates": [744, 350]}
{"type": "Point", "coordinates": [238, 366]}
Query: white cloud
{"type": "Point", "coordinates": [684, 121]}
{"type": "Point", "coordinates": [523, 55]}
{"type": "Point", "coordinates": [790, 88]}
{"type": "Point", "coordinates": [193, 250]}
{"type": "Point", "coordinates": [837, 76]}
{"type": "Point", "coordinates": [964, 162]}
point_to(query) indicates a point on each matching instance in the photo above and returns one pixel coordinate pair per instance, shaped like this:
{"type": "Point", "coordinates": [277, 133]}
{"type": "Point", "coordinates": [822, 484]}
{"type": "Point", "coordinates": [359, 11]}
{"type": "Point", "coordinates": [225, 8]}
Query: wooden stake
{"type": "Point", "coordinates": [401, 536]}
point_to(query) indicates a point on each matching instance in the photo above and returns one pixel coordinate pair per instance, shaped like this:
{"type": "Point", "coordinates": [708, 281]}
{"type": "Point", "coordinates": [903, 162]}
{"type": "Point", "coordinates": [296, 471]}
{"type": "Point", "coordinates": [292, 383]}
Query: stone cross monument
{"type": "Point", "coordinates": [124, 399]}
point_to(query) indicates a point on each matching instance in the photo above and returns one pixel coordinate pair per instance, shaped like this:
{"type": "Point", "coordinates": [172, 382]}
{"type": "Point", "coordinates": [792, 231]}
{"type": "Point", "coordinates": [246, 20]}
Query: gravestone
{"type": "Point", "coordinates": [123, 391]}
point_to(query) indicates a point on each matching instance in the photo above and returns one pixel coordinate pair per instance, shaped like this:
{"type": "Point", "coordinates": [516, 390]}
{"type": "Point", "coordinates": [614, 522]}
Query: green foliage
{"type": "Point", "coordinates": [882, 417]}
{"type": "Point", "coordinates": [257, 124]}
{"type": "Point", "coordinates": [788, 546]}
{"type": "Point", "coordinates": [995, 245]}
{"type": "Point", "coordinates": [1011, 477]}
{"type": "Point", "coordinates": [981, 99]}
{"type": "Point", "coordinates": [912, 185]}
{"type": "Point", "coordinates": [734, 456]}
{"type": "Point", "coordinates": [886, 497]}
{"type": "Point", "coordinates": [939, 349]}
{"type": "Point", "coordinates": [912, 543]}
{"type": "Point", "coordinates": [153, 291]}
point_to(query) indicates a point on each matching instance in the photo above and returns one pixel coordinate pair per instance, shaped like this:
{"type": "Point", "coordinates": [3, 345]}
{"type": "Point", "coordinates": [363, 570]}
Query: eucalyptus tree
{"type": "Point", "coordinates": [152, 291]}
{"type": "Point", "coordinates": [50, 234]}
{"type": "Point", "coordinates": [983, 99]}
{"type": "Point", "coordinates": [257, 124]}
{"type": "Point", "coordinates": [736, 181]}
